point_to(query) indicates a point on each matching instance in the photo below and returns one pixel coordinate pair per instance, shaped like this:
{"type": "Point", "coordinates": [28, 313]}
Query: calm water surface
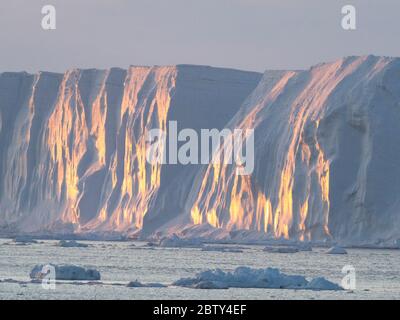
{"type": "Point", "coordinates": [377, 271]}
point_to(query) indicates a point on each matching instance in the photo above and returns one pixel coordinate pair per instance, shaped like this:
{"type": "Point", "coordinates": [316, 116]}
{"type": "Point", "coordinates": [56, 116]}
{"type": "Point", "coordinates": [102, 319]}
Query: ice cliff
{"type": "Point", "coordinates": [72, 152]}
{"type": "Point", "coordinates": [327, 158]}
{"type": "Point", "coordinates": [73, 145]}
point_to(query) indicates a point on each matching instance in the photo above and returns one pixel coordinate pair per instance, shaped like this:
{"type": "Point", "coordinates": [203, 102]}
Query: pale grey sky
{"type": "Point", "coordinates": [243, 34]}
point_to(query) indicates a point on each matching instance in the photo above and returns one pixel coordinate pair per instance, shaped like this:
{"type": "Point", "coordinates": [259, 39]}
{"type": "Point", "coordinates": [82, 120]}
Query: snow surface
{"type": "Point", "coordinates": [66, 272]}
{"type": "Point", "coordinates": [245, 277]}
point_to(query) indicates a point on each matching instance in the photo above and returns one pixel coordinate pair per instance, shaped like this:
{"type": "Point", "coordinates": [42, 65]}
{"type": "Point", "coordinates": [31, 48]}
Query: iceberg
{"type": "Point", "coordinates": [336, 250]}
{"type": "Point", "coordinates": [322, 284]}
{"type": "Point", "coordinates": [281, 249]}
{"type": "Point", "coordinates": [245, 277]}
{"type": "Point", "coordinates": [137, 284]}
{"type": "Point", "coordinates": [73, 146]}
{"type": "Point", "coordinates": [65, 272]}
{"type": "Point", "coordinates": [326, 155]}
{"type": "Point", "coordinates": [22, 240]}
{"type": "Point", "coordinates": [71, 244]}
{"type": "Point", "coordinates": [175, 241]}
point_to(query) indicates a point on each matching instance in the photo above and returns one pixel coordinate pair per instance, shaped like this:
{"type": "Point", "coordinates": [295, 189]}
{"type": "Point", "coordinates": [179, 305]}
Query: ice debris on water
{"type": "Point", "coordinates": [65, 272]}
{"type": "Point", "coordinates": [175, 241]}
{"type": "Point", "coordinates": [336, 250]}
{"type": "Point", "coordinates": [71, 244]}
{"type": "Point", "coordinates": [137, 284]}
{"type": "Point", "coordinates": [245, 277]}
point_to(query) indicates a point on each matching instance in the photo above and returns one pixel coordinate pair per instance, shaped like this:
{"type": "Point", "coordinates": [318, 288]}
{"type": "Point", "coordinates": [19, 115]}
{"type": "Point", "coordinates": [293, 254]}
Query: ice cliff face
{"type": "Point", "coordinates": [327, 155]}
{"type": "Point", "coordinates": [72, 152]}
{"type": "Point", "coordinates": [73, 146]}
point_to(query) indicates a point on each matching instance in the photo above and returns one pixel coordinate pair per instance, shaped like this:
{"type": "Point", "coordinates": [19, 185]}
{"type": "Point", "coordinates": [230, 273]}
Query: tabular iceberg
{"type": "Point", "coordinates": [72, 153]}
{"type": "Point", "coordinates": [327, 155]}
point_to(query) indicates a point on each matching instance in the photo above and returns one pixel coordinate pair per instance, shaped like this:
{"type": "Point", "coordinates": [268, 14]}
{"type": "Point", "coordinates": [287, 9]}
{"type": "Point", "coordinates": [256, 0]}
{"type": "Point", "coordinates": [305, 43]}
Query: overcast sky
{"type": "Point", "coordinates": [243, 34]}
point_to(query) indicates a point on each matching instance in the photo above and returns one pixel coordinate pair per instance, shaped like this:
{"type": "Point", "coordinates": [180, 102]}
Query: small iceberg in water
{"type": "Point", "coordinates": [174, 241]}
{"type": "Point", "coordinates": [23, 240]}
{"type": "Point", "coordinates": [245, 277]}
{"type": "Point", "coordinates": [71, 244]}
{"type": "Point", "coordinates": [137, 284]}
{"type": "Point", "coordinates": [281, 249]}
{"type": "Point", "coordinates": [64, 272]}
{"type": "Point", "coordinates": [336, 250]}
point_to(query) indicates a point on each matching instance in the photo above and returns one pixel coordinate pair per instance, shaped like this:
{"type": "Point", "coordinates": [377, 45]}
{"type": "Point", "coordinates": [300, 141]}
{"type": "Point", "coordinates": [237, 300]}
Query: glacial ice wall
{"type": "Point", "coordinates": [73, 145]}
{"type": "Point", "coordinates": [327, 158]}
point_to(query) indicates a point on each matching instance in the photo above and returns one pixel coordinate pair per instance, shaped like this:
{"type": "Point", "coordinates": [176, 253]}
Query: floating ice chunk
{"type": "Point", "coordinates": [281, 249]}
{"type": "Point", "coordinates": [174, 241]}
{"type": "Point", "coordinates": [336, 250]}
{"type": "Point", "coordinates": [137, 284]}
{"type": "Point", "coordinates": [222, 249]}
{"type": "Point", "coordinates": [8, 280]}
{"type": "Point", "coordinates": [322, 284]}
{"type": "Point", "coordinates": [24, 240]}
{"type": "Point", "coordinates": [304, 247]}
{"type": "Point", "coordinates": [66, 272]}
{"type": "Point", "coordinates": [210, 285]}
{"type": "Point", "coordinates": [71, 244]}
{"type": "Point", "coordinates": [151, 244]}
{"type": "Point", "coordinates": [244, 277]}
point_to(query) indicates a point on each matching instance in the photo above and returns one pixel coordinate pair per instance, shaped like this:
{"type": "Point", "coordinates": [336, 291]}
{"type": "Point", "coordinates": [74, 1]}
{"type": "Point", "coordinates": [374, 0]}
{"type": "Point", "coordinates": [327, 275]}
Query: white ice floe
{"type": "Point", "coordinates": [289, 248]}
{"type": "Point", "coordinates": [174, 241]}
{"type": "Point", "coordinates": [137, 284]}
{"type": "Point", "coordinates": [245, 277]}
{"type": "Point", "coordinates": [65, 272]}
{"type": "Point", "coordinates": [71, 244]}
{"type": "Point", "coordinates": [24, 240]}
{"type": "Point", "coordinates": [336, 250]}
{"type": "Point", "coordinates": [322, 284]}
{"type": "Point", "coordinates": [281, 249]}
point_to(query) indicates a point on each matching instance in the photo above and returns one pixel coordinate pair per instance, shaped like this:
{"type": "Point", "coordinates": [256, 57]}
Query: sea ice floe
{"type": "Point", "coordinates": [281, 249]}
{"type": "Point", "coordinates": [65, 272]}
{"type": "Point", "coordinates": [24, 240]}
{"type": "Point", "coordinates": [71, 244]}
{"type": "Point", "coordinates": [222, 249]}
{"type": "Point", "coordinates": [245, 277]}
{"type": "Point", "coordinates": [322, 284]}
{"type": "Point", "coordinates": [336, 250]}
{"type": "Point", "coordinates": [174, 241]}
{"type": "Point", "coordinates": [137, 284]}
